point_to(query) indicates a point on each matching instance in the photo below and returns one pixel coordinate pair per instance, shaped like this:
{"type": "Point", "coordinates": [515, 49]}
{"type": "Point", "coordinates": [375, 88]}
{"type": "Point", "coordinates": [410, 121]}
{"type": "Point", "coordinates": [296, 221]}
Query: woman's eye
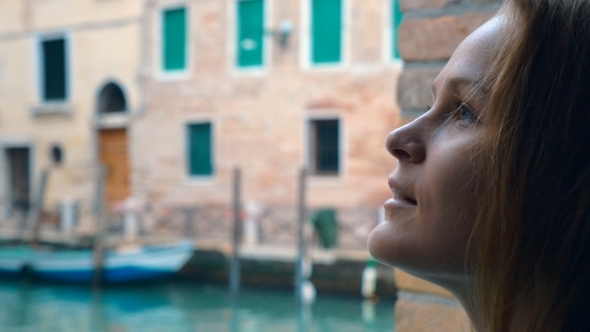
{"type": "Point", "coordinates": [466, 114]}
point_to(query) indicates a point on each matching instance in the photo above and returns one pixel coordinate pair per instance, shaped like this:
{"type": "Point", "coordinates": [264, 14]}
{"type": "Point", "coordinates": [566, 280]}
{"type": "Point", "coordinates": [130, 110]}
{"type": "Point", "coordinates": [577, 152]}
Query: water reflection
{"type": "Point", "coordinates": [179, 306]}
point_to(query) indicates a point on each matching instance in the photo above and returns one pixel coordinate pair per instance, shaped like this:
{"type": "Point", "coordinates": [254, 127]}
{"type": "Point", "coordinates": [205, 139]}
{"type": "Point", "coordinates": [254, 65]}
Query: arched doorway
{"type": "Point", "coordinates": [113, 144]}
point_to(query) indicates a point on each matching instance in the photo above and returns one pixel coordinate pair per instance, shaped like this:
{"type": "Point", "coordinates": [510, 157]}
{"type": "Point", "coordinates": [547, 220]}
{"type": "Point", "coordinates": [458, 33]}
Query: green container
{"type": "Point", "coordinates": [324, 221]}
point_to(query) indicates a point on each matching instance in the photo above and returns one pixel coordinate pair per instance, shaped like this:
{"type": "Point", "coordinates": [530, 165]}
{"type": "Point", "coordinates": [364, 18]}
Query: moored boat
{"type": "Point", "coordinates": [14, 259]}
{"type": "Point", "coordinates": [139, 263]}
{"type": "Point", "coordinates": [119, 265]}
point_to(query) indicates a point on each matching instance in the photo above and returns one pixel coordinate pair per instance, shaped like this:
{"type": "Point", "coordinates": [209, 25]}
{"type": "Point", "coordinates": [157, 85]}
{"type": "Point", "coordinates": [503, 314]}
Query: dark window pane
{"type": "Point", "coordinates": [111, 99]}
{"type": "Point", "coordinates": [57, 154]}
{"type": "Point", "coordinates": [18, 170]}
{"type": "Point", "coordinates": [200, 142]}
{"type": "Point", "coordinates": [54, 69]}
{"type": "Point", "coordinates": [327, 149]}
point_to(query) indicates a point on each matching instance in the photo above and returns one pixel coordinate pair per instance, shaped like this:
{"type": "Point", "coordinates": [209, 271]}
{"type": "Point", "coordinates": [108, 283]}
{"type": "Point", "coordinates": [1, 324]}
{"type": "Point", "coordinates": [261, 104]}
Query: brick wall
{"type": "Point", "coordinates": [261, 118]}
{"type": "Point", "coordinates": [429, 34]}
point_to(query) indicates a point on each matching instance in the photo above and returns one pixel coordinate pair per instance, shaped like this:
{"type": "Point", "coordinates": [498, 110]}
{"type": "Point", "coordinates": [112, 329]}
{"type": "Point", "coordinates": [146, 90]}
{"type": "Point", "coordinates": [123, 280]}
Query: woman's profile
{"type": "Point", "coordinates": [491, 193]}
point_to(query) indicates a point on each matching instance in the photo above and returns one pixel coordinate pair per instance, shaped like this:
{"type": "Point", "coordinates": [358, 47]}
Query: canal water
{"type": "Point", "coordinates": [180, 306]}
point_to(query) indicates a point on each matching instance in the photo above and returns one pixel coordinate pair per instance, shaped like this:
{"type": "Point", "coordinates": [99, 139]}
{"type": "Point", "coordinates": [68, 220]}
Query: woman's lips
{"type": "Point", "coordinates": [399, 201]}
{"type": "Point", "coordinates": [401, 197]}
{"type": "Point", "coordinates": [400, 194]}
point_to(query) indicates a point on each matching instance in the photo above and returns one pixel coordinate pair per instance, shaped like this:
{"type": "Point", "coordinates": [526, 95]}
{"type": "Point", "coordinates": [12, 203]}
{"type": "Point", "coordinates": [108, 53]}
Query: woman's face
{"type": "Point", "coordinates": [431, 215]}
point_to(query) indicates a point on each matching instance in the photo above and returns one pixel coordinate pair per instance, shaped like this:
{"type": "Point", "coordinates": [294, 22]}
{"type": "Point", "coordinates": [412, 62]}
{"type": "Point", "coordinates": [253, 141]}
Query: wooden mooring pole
{"type": "Point", "coordinates": [234, 267]}
{"type": "Point", "coordinates": [100, 217]}
{"type": "Point", "coordinates": [301, 235]}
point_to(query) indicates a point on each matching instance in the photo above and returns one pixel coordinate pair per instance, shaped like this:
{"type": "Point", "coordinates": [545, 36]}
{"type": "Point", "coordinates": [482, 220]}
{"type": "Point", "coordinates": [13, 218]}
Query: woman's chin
{"type": "Point", "coordinates": [391, 246]}
{"type": "Point", "coordinates": [381, 245]}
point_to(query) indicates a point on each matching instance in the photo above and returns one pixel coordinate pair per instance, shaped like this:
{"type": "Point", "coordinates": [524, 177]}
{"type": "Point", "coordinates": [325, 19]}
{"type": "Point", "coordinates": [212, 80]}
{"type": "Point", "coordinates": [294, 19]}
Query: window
{"type": "Point", "coordinates": [174, 39]}
{"type": "Point", "coordinates": [111, 99]}
{"type": "Point", "coordinates": [54, 73]}
{"type": "Point", "coordinates": [326, 31]}
{"type": "Point", "coordinates": [57, 154]}
{"type": "Point", "coordinates": [396, 20]}
{"type": "Point", "coordinates": [200, 141]}
{"type": "Point", "coordinates": [325, 147]}
{"type": "Point", "coordinates": [250, 42]}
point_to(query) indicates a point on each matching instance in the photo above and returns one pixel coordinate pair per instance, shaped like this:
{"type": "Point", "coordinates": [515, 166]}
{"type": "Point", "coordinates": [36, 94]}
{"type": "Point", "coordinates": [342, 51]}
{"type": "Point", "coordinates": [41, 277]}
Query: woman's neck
{"type": "Point", "coordinates": [520, 307]}
{"type": "Point", "coordinates": [461, 288]}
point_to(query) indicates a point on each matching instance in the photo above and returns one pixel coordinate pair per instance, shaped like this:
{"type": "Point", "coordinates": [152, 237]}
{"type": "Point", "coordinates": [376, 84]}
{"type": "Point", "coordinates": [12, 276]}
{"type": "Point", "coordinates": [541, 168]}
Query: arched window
{"type": "Point", "coordinates": [111, 99]}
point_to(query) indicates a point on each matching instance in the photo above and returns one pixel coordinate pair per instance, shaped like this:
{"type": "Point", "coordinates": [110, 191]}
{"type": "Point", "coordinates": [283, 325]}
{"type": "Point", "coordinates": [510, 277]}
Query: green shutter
{"type": "Point", "coordinates": [174, 39]}
{"type": "Point", "coordinates": [396, 20]}
{"type": "Point", "coordinates": [200, 142]}
{"type": "Point", "coordinates": [326, 27]}
{"type": "Point", "coordinates": [54, 69]}
{"type": "Point", "coordinates": [250, 43]}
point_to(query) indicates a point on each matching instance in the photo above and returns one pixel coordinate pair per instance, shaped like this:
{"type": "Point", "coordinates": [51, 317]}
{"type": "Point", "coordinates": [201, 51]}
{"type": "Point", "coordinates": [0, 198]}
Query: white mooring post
{"type": "Point", "coordinates": [130, 220]}
{"type": "Point", "coordinates": [67, 215]}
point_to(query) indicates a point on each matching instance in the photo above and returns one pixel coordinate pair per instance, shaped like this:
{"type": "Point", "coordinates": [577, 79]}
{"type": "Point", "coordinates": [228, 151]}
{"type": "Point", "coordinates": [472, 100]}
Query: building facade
{"type": "Point", "coordinates": [173, 95]}
{"type": "Point", "coordinates": [69, 82]}
{"type": "Point", "coordinates": [270, 87]}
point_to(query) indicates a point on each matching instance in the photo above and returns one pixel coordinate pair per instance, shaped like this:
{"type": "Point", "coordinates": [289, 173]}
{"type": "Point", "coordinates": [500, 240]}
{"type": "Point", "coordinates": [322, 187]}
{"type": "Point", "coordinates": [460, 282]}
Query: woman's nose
{"type": "Point", "coordinates": [406, 144]}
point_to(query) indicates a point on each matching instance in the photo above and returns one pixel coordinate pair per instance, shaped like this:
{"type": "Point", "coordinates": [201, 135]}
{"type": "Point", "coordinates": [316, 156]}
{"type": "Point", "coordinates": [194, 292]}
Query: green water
{"type": "Point", "coordinates": [180, 306]}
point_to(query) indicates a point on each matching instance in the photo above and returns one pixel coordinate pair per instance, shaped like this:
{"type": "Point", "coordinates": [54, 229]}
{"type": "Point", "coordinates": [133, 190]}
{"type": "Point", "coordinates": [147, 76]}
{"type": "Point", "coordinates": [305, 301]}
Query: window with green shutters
{"type": "Point", "coordinates": [396, 20]}
{"type": "Point", "coordinates": [326, 31]}
{"type": "Point", "coordinates": [200, 142]}
{"type": "Point", "coordinates": [250, 34]}
{"type": "Point", "coordinates": [174, 30]}
{"type": "Point", "coordinates": [54, 69]}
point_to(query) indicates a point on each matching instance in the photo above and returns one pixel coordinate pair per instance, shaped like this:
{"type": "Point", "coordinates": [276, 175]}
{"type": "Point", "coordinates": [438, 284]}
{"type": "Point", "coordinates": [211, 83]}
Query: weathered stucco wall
{"type": "Point", "coordinates": [103, 40]}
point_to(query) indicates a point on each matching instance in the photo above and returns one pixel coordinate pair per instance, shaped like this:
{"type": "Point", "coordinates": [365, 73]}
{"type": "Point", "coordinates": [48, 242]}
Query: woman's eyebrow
{"type": "Point", "coordinates": [477, 87]}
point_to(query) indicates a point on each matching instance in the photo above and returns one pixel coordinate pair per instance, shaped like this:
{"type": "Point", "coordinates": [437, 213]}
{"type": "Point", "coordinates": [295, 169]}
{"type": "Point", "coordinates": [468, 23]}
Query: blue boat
{"type": "Point", "coordinates": [123, 265]}
{"type": "Point", "coordinates": [14, 259]}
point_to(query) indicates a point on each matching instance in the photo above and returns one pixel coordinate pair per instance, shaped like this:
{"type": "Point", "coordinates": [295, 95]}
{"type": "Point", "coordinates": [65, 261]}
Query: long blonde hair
{"type": "Point", "coordinates": [532, 235]}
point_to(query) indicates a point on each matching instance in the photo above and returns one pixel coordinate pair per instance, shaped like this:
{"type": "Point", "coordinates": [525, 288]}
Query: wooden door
{"type": "Point", "coordinates": [113, 155]}
{"type": "Point", "coordinates": [19, 177]}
